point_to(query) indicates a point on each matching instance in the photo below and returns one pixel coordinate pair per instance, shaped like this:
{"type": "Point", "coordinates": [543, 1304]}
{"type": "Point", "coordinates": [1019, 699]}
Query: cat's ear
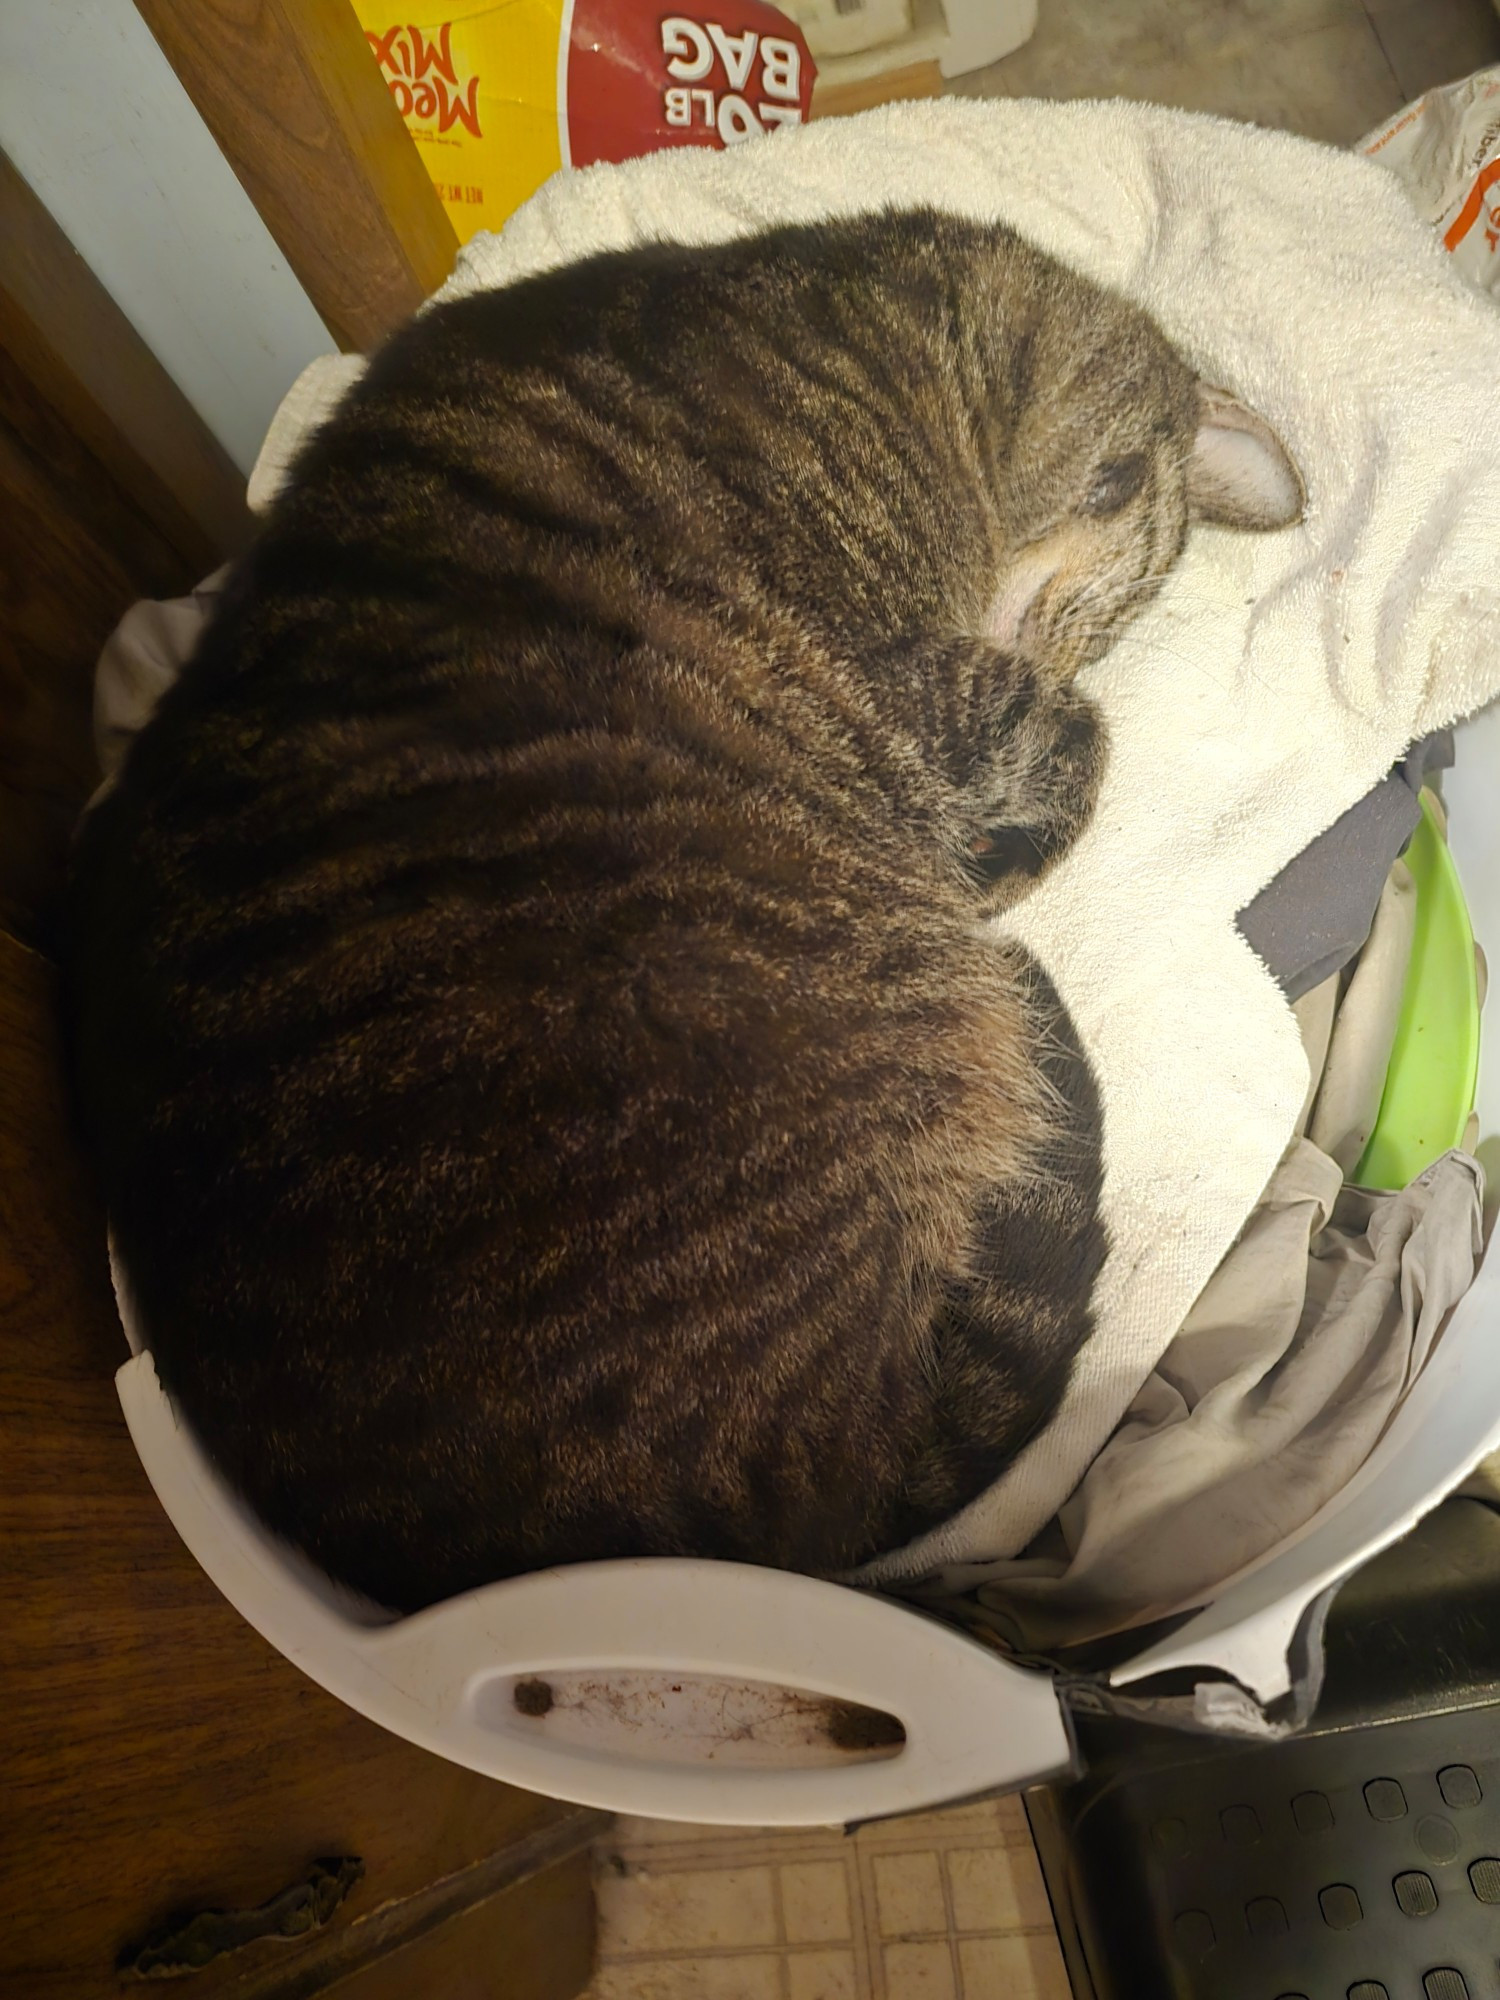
{"type": "Point", "coordinates": [1240, 474]}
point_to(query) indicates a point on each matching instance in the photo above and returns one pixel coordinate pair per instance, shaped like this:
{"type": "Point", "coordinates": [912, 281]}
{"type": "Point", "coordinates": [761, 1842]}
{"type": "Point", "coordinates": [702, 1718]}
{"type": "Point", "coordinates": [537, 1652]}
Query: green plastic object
{"type": "Point", "coordinates": [1434, 1071]}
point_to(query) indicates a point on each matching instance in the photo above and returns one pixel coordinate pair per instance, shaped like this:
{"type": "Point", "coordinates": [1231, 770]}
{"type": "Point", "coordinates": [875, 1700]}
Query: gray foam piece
{"type": "Point", "coordinates": [1426, 755]}
{"type": "Point", "coordinates": [1311, 920]}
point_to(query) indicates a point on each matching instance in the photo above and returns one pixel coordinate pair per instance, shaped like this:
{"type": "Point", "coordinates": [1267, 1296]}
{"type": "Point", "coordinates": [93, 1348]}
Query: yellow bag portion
{"type": "Point", "coordinates": [499, 94]}
{"type": "Point", "coordinates": [479, 88]}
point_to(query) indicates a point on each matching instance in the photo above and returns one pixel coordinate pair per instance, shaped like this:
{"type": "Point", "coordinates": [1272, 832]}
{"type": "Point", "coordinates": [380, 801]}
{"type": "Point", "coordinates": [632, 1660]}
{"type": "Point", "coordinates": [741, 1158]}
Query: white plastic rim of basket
{"type": "Point", "coordinates": [445, 1678]}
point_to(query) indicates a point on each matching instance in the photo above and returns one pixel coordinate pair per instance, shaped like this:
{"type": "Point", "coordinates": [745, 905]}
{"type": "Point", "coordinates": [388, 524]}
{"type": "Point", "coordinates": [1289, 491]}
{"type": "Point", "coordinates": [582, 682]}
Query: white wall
{"type": "Point", "coordinates": [96, 122]}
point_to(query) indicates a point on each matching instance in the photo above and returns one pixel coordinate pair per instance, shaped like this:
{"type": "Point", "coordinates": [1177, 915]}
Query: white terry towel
{"type": "Point", "coordinates": [1277, 678]}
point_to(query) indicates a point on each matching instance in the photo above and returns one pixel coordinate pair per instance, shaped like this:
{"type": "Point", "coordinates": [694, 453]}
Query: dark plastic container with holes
{"type": "Point", "coordinates": [1357, 1861]}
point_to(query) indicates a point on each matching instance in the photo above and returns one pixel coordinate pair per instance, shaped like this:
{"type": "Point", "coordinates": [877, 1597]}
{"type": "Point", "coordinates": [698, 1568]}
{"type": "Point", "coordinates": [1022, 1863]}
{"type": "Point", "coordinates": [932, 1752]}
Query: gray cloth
{"type": "Point", "coordinates": [1284, 1375]}
{"type": "Point", "coordinates": [1310, 921]}
{"type": "Point", "coordinates": [1429, 754]}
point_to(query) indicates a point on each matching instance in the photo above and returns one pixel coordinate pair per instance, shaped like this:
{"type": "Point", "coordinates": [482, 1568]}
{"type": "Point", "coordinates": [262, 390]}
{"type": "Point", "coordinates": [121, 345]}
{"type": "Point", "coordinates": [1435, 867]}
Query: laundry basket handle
{"type": "Point", "coordinates": [447, 1678]}
{"type": "Point", "coordinates": [973, 1722]}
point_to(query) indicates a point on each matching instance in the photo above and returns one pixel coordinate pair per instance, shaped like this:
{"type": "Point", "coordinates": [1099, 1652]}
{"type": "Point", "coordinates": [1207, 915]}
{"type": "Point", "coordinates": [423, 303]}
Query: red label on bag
{"type": "Point", "coordinates": [640, 79]}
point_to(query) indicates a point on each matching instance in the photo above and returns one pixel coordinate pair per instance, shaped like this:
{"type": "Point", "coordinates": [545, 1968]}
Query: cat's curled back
{"type": "Point", "coordinates": [555, 1094]}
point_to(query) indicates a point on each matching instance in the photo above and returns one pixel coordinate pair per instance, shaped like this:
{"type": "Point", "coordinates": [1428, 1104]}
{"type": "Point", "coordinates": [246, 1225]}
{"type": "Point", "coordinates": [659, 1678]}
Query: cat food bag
{"type": "Point", "coordinates": [499, 94]}
{"type": "Point", "coordinates": [1446, 149]}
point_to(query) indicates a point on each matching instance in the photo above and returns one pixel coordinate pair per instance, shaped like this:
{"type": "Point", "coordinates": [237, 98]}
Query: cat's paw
{"type": "Point", "coordinates": [1002, 851]}
{"type": "Point", "coordinates": [1041, 781]}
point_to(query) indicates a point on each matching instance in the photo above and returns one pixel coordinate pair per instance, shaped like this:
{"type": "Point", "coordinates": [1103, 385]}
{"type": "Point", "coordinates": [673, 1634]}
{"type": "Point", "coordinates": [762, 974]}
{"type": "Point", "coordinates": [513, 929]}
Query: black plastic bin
{"type": "Point", "coordinates": [1357, 1861]}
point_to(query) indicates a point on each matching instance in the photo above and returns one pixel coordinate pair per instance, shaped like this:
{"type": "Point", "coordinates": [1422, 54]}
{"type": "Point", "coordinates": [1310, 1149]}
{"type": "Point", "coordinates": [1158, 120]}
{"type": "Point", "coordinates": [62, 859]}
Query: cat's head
{"type": "Point", "coordinates": [1107, 496]}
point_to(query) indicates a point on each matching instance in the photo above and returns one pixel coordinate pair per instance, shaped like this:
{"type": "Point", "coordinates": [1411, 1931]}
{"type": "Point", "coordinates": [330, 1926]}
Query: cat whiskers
{"type": "Point", "coordinates": [1111, 599]}
{"type": "Point", "coordinates": [1105, 602]}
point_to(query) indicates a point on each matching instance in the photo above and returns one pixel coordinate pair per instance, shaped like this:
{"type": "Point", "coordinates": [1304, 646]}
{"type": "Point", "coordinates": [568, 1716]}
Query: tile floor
{"type": "Point", "coordinates": [948, 1906]}
{"type": "Point", "coordinates": [951, 1906]}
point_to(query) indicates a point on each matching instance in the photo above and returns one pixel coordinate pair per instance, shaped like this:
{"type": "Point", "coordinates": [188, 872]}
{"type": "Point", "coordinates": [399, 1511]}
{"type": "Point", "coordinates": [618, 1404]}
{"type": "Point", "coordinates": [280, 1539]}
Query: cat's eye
{"type": "Point", "coordinates": [1117, 481]}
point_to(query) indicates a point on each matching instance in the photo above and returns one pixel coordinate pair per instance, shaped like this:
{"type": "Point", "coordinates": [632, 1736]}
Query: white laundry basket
{"type": "Point", "coordinates": [643, 1685]}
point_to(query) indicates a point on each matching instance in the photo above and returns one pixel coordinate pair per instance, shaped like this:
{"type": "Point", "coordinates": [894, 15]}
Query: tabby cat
{"type": "Point", "coordinates": [555, 1090]}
